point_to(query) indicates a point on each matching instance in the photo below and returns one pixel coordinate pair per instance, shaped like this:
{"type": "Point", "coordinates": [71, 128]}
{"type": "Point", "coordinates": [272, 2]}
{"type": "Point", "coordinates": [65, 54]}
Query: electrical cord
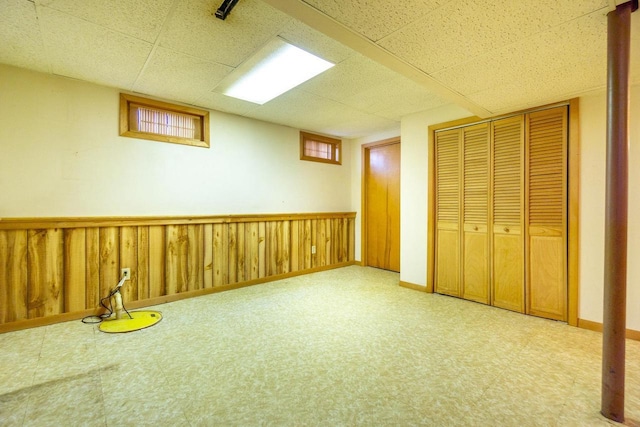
{"type": "Point", "coordinates": [94, 319]}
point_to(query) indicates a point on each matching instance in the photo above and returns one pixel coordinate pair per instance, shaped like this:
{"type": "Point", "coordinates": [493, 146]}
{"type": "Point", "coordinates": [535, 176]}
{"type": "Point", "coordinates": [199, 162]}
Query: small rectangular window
{"type": "Point", "coordinates": [160, 121]}
{"type": "Point", "coordinates": [318, 148]}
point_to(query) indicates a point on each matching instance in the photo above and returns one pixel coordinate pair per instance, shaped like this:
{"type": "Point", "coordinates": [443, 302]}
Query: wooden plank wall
{"type": "Point", "coordinates": [54, 266]}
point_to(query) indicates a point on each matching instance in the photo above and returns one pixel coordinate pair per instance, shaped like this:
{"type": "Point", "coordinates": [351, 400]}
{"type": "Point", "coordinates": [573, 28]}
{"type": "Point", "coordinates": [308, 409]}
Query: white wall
{"type": "Point", "coordinates": [592, 213]}
{"type": "Point", "coordinates": [60, 155]}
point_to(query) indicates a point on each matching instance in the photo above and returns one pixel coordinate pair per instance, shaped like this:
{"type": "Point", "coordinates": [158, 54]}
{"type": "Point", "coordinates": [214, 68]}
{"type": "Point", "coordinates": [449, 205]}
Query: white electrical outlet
{"type": "Point", "coordinates": [313, 249]}
{"type": "Point", "coordinates": [126, 272]}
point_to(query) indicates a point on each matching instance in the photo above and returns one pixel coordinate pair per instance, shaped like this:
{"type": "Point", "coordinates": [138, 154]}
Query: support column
{"type": "Point", "coordinates": [615, 268]}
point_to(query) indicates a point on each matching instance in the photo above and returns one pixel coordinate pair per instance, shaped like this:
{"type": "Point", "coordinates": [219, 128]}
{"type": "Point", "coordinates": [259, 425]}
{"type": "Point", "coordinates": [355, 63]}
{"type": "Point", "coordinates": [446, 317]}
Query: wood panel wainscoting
{"type": "Point", "coordinates": [58, 269]}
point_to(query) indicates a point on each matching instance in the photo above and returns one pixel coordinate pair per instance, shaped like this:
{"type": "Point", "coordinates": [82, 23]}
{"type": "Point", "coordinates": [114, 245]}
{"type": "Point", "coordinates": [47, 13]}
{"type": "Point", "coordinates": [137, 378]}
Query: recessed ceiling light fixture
{"type": "Point", "coordinates": [274, 69]}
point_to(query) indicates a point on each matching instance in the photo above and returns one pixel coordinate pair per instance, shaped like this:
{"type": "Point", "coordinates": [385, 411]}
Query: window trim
{"type": "Point", "coordinates": [335, 143]}
{"type": "Point", "coordinates": [125, 128]}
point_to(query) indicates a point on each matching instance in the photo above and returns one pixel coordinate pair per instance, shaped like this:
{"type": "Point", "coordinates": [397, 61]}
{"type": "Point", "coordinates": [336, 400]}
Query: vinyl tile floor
{"type": "Point", "coordinates": [344, 347]}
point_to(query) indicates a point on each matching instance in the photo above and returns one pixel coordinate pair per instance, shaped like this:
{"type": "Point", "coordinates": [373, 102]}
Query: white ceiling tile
{"type": "Point", "coordinates": [305, 37]}
{"type": "Point", "coordinates": [574, 50]}
{"type": "Point", "coordinates": [581, 40]}
{"type": "Point", "coordinates": [502, 66]}
{"type": "Point", "coordinates": [464, 29]}
{"type": "Point", "coordinates": [404, 102]}
{"type": "Point", "coordinates": [394, 98]}
{"type": "Point", "coordinates": [86, 51]}
{"type": "Point", "coordinates": [141, 19]}
{"type": "Point", "coordinates": [179, 77]}
{"type": "Point", "coordinates": [552, 86]}
{"type": "Point", "coordinates": [297, 106]}
{"type": "Point", "coordinates": [356, 125]}
{"type": "Point", "coordinates": [484, 72]}
{"type": "Point", "coordinates": [504, 98]}
{"type": "Point", "coordinates": [582, 36]}
{"type": "Point", "coordinates": [227, 104]}
{"type": "Point", "coordinates": [348, 78]}
{"type": "Point", "coordinates": [560, 11]}
{"type": "Point", "coordinates": [194, 30]}
{"type": "Point", "coordinates": [20, 39]}
{"type": "Point", "coordinates": [304, 110]}
{"type": "Point", "coordinates": [375, 19]}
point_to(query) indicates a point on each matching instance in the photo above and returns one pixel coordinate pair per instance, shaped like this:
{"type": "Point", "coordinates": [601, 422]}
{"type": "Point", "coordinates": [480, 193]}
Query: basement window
{"type": "Point", "coordinates": [160, 121]}
{"type": "Point", "coordinates": [318, 148]}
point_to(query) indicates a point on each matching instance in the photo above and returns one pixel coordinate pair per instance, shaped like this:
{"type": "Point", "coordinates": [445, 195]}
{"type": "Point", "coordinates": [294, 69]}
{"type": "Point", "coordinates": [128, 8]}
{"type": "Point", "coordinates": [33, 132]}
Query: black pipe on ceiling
{"type": "Point", "coordinates": [225, 9]}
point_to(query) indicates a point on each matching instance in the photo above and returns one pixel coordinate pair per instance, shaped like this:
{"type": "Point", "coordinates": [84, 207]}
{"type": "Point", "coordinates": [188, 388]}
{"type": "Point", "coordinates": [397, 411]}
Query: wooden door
{"type": "Point", "coordinates": [508, 214]}
{"type": "Point", "coordinates": [448, 169]}
{"type": "Point", "coordinates": [547, 184]}
{"type": "Point", "coordinates": [382, 206]}
{"type": "Point", "coordinates": [475, 196]}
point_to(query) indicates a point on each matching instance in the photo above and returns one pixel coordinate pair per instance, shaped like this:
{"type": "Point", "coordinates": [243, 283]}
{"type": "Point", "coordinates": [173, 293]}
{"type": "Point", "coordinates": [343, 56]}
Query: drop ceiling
{"type": "Point", "coordinates": [393, 58]}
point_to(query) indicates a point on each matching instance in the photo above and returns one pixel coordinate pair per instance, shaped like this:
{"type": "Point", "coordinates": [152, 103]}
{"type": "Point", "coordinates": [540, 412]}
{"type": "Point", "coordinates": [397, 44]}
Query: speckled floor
{"type": "Point", "coordinates": [342, 347]}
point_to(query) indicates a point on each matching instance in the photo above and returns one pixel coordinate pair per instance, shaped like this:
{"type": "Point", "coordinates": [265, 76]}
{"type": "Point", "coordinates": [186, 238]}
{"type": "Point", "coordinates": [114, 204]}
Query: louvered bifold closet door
{"type": "Point", "coordinates": [475, 196]}
{"type": "Point", "coordinates": [447, 274]}
{"type": "Point", "coordinates": [546, 181]}
{"type": "Point", "coordinates": [507, 289]}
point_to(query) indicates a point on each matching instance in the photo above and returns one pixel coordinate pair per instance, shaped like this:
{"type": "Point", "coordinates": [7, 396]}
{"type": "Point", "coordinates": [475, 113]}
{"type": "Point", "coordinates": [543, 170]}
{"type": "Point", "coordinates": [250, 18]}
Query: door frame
{"type": "Point", "coordinates": [364, 153]}
{"type": "Point", "coordinates": [573, 200]}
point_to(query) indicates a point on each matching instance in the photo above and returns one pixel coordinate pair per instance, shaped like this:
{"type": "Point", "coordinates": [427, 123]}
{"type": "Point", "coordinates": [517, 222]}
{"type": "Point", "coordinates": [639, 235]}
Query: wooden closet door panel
{"type": "Point", "coordinates": [448, 261]}
{"type": "Point", "coordinates": [507, 285]}
{"type": "Point", "coordinates": [475, 196]}
{"type": "Point", "coordinates": [475, 268]}
{"type": "Point", "coordinates": [508, 268]}
{"type": "Point", "coordinates": [447, 274]}
{"type": "Point", "coordinates": [548, 293]}
{"type": "Point", "coordinates": [546, 181]}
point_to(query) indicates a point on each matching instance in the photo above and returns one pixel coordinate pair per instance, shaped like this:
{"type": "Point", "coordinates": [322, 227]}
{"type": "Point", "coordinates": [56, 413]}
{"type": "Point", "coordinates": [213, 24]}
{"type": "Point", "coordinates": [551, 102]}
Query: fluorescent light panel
{"type": "Point", "coordinates": [273, 70]}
